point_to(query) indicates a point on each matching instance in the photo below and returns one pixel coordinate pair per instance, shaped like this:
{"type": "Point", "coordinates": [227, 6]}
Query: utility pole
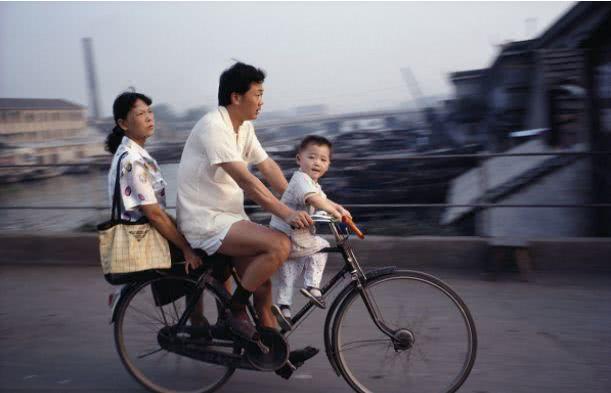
{"type": "Point", "coordinates": [92, 84]}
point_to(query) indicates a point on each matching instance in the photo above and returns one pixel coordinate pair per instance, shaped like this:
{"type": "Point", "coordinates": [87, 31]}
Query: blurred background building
{"type": "Point", "coordinates": [551, 94]}
{"type": "Point", "coordinates": [44, 131]}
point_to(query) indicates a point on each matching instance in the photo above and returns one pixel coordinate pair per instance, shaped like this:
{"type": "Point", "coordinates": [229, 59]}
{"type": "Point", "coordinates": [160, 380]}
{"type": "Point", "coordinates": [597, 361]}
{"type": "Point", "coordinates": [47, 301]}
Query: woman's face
{"type": "Point", "coordinates": [140, 122]}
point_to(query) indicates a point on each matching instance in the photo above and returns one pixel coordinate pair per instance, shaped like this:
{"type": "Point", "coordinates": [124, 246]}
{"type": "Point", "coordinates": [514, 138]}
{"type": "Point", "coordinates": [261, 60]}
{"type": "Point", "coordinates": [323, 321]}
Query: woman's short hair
{"type": "Point", "coordinates": [237, 79]}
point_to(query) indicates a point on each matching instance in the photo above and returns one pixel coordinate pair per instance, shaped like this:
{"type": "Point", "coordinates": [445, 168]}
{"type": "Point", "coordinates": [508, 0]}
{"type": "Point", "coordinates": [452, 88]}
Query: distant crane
{"type": "Point", "coordinates": [440, 136]}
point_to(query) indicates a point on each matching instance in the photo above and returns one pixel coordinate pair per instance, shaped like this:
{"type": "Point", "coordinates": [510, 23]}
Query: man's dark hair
{"type": "Point", "coordinates": [314, 140]}
{"type": "Point", "coordinates": [237, 79]}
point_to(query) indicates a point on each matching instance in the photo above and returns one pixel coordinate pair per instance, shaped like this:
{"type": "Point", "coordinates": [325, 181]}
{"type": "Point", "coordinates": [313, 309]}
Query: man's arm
{"type": "Point", "coordinates": [273, 174]}
{"type": "Point", "coordinates": [262, 196]}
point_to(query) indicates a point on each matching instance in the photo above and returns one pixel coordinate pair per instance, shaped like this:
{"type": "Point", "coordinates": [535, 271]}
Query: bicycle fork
{"type": "Point", "coordinates": [402, 338]}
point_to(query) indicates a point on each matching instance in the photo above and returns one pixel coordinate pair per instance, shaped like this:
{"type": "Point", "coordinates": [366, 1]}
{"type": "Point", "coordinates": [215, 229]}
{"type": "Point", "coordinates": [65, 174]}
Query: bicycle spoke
{"type": "Point", "coordinates": [142, 356]}
{"type": "Point", "coordinates": [175, 313]}
{"type": "Point", "coordinates": [419, 359]}
{"type": "Point", "coordinates": [146, 316]}
{"type": "Point", "coordinates": [363, 343]}
{"type": "Point", "coordinates": [138, 325]}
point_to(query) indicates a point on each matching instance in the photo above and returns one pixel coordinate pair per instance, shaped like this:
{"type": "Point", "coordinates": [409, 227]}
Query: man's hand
{"type": "Point", "coordinates": [191, 260]}
{"type": "Point", "coordinates": [299, 220]}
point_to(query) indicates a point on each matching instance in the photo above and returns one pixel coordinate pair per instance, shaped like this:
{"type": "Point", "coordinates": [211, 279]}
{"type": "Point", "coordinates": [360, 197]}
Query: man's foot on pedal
{"type": "Point", "coordinates": [241, 326]}
{"type": "Point", "coordinates": [296, 360]}
{"type": "Point", "coordinates": [314, 295]}
{"type": "Point", "coordinates": [283, 316]}
{"type": "Point", "coordinates": [220, 330]}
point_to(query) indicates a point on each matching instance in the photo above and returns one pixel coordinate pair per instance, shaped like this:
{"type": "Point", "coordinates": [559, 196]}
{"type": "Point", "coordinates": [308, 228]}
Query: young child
{"type": "Point", "coordinates": [304, 193]}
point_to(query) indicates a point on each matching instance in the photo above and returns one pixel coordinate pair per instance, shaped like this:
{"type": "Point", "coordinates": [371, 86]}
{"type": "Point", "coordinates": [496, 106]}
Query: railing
{"type": "Point", "coordinates": [483, 184]}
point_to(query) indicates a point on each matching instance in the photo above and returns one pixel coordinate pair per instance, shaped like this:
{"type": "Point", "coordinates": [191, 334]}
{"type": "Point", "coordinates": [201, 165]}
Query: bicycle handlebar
{"type": "Point", "coordinates": [348, 221]}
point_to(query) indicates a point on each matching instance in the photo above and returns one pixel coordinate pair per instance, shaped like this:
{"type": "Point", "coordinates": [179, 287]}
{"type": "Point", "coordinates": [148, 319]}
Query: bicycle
{"type": "Point", "coordinates": [419, 327]}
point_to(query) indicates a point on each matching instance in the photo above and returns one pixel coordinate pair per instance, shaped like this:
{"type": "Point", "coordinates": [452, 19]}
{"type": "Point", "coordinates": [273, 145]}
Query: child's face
{"type": "Point", "coordinates": [314, 160]}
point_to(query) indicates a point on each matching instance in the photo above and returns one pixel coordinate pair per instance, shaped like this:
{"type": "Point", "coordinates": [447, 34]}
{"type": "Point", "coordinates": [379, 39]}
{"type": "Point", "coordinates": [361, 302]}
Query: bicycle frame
{"type": "Point", "coordinates": [351, 267]}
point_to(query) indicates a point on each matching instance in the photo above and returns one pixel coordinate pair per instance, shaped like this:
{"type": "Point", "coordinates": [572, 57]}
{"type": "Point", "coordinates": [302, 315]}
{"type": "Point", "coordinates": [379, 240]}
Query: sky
{"type": "Point", "coordinates": [346, 55]}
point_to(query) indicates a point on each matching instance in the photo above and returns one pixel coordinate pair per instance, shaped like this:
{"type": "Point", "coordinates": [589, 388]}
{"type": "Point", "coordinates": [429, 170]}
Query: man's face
{"type": "Point", "coordinates": [250, 103]}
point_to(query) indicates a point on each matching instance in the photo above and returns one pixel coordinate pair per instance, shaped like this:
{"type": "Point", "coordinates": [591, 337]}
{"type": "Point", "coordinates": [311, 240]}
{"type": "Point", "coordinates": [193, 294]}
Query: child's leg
{"type": "Point", "coordinates": [315, 265]}
{"type": "Point", "coordinates": [288, 273]}
{"type": "Point", "coordinates": [314, 268]}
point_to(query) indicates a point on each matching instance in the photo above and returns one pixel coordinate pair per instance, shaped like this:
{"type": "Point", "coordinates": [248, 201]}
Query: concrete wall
{"type": "Point", "coordinates": [462, 253]}
{"type": "Point", "coordinates": [569, 185]}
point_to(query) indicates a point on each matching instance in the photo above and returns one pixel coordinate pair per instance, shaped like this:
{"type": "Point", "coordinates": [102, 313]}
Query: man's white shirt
{"type": "Point", "coordinates": [209, 201]}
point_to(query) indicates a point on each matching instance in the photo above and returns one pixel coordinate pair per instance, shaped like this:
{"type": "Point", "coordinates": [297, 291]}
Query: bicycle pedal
{"type": "Point", "coordinates": [285, 324]}
{"type": "Point", "coordinates": [318, 302]}
{"type": "Point", "coordinates": [262, 347]}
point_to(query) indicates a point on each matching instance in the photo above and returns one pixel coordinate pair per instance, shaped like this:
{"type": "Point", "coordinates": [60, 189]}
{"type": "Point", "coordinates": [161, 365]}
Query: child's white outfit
{"type": "Point", "coordinates": [305, 245]}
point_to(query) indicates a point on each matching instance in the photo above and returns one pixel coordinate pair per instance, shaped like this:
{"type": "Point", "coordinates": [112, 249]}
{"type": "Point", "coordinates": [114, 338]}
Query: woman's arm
{"type": "Point", "coordinates": [164, 224]}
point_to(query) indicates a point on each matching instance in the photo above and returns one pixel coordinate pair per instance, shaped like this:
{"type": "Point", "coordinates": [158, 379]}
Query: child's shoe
{"type": "Point", "coordinates": [314, 295]}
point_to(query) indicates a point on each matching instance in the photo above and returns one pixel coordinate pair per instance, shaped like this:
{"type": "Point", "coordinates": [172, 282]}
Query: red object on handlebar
{"type": "Point", "coordinates": [348, 221]}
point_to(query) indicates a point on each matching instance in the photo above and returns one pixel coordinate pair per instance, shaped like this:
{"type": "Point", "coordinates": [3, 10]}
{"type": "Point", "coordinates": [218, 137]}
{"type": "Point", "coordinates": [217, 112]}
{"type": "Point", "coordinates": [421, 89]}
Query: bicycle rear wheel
{"type": "Point", "coordinates": [147, 309]}
{"type": "Point", "coordinates": [437, 344]}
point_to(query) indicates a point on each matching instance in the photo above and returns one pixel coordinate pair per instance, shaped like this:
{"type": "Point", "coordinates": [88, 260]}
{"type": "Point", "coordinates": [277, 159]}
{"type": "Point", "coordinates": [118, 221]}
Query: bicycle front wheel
{"type": "Point", "coordinates": [147, 309]}
{"type": "Point", "coordinates": [436, 342]}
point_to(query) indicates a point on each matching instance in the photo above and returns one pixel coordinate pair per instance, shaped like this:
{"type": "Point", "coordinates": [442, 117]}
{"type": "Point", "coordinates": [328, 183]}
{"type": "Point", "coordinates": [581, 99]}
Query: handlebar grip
{"type": "Point", "coordinates": [346, 220]}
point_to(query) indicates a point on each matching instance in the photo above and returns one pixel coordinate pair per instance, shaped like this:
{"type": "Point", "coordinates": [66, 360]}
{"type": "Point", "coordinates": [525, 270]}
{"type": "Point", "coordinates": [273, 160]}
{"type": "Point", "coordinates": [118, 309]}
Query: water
{"type": "Point", "coordinates": [345, 184]}
{"type": "Point", "coordinates": [67, 190]}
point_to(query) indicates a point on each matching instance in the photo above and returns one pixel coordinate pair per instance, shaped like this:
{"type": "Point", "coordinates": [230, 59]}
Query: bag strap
{"type": "Point", "coordinates": [116, 199]}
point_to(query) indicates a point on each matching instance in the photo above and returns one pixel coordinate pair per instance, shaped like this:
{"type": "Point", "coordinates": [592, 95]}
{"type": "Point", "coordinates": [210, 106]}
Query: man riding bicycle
{"type": "Point", "coordinates": [213, 176]}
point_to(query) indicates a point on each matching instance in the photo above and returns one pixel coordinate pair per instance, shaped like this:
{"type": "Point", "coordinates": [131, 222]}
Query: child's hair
{"type": "Point", "coordinates": [314, 140]}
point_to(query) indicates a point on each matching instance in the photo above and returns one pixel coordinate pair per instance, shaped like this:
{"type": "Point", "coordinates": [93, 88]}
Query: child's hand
{"type": "Point", "coordinates": [337, 214]}
{"type": "Point", "coordinates": [344, 212]}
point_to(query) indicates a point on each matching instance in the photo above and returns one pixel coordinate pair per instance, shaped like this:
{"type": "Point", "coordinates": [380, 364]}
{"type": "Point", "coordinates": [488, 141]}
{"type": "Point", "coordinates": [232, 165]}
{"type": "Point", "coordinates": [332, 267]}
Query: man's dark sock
{"type": "Point", "coordinates": [240, 298]}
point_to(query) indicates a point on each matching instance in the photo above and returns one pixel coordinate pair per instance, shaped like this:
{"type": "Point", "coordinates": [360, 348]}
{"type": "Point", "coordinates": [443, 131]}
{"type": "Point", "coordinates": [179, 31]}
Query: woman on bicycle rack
{"type": "Point", "coordinates": [212, 179]}
{"type": "Point", "coordinates": [142, 185]}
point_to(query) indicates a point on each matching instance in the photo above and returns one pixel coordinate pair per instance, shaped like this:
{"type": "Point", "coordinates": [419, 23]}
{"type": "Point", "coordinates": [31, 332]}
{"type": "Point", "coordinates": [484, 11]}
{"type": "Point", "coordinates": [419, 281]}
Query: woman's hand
{"type": "Point", "coordinates": [192, 260]}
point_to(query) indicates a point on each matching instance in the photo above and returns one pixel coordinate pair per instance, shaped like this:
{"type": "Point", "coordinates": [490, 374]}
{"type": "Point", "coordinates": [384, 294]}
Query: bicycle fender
{"type": "Point", "coordinates": [115, 307]}
{"type": "Point", "coordinates": [209, 281]}
{"type": "Point", "coordinates": [328, 334]}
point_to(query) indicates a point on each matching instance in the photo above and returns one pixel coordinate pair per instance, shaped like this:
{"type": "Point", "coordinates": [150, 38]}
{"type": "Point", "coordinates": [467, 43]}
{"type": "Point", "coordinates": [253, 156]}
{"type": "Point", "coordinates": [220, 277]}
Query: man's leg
{"type": "Point", "coordinates": [263, 304]}
{"type": "Point", "coordinates": [258, 250]}
{"type": "Point", "coordinates": [257, 253]}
